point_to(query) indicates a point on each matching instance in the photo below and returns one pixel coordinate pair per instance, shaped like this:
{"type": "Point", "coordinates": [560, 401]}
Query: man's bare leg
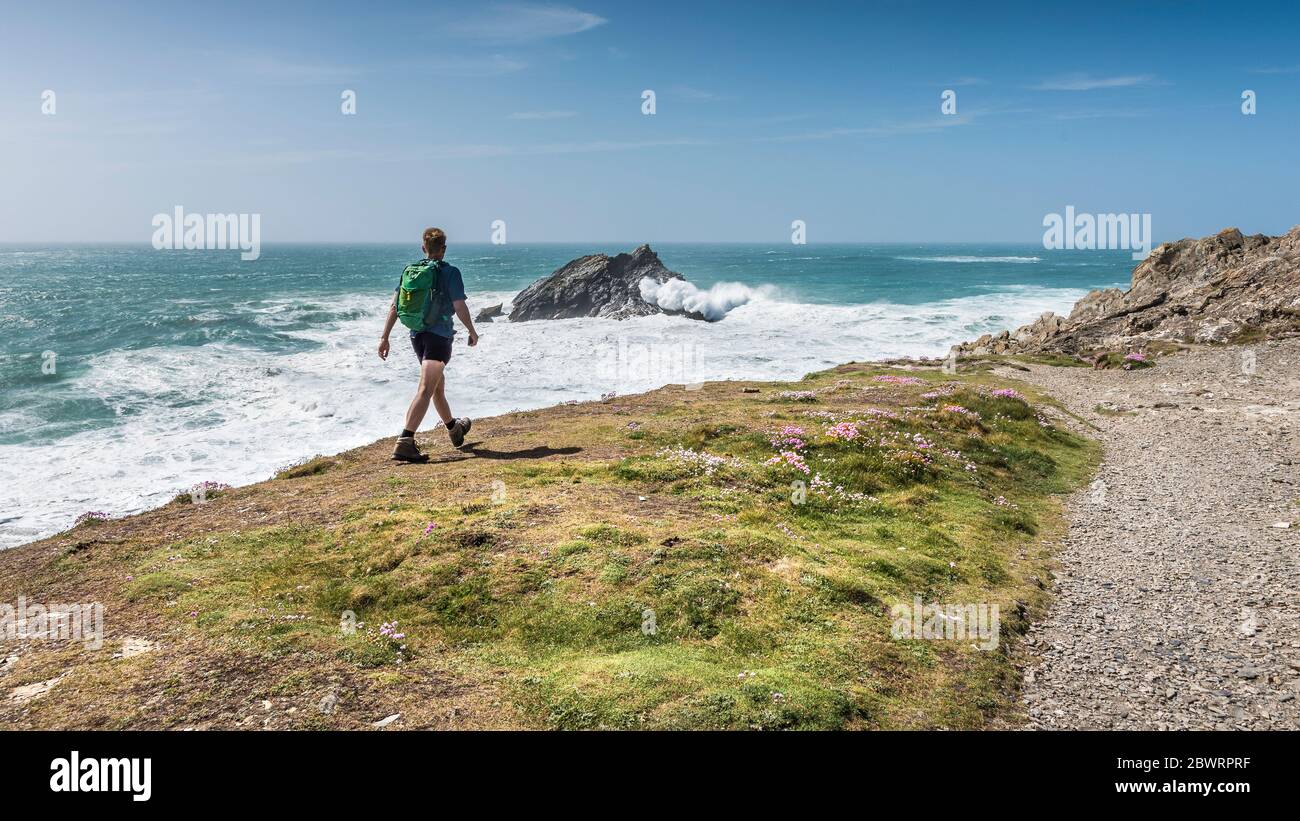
{"type": "Point", "coordinates": [440, 401]}
{"type": "Point", "coordinates": [431, 382]}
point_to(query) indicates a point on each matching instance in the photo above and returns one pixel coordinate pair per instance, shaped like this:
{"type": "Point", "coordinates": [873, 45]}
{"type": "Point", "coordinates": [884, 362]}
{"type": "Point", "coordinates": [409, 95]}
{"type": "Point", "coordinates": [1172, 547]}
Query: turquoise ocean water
{"type": "Point", "coordinates": [171, 368]}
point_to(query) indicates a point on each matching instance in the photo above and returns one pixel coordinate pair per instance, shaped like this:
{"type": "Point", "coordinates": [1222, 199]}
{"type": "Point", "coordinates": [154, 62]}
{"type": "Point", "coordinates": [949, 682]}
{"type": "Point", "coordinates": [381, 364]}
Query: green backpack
{"type": "Point", "coordinates": [421, 291]}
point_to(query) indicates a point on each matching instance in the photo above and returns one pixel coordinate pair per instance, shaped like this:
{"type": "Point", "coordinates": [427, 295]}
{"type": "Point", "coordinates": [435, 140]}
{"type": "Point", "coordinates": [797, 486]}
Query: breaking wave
{"type": "Point", "coordinates": [712, 304]}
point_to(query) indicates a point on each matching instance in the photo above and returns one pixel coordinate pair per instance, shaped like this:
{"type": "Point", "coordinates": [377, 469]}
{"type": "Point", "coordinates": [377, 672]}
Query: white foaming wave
{"type": "Point", "coordinates": [19, 419]}
{"type": "Point", "coordinates": [967, 259]}
{"type": "Point", "coordinates": [819, 336]}
{"type": "Point", "coordinates": [679, 295]}
{"type": "Point", "coordinates": [233, 414]}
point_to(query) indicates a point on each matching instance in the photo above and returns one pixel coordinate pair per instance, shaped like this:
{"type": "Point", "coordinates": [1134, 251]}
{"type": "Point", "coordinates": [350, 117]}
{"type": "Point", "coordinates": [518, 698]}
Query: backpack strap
{"type": "Point", "coordinates": [437, 290]}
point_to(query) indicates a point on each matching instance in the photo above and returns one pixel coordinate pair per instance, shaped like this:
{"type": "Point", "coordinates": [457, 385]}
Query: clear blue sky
{"type": "Point", "coordinates": [531, 113]}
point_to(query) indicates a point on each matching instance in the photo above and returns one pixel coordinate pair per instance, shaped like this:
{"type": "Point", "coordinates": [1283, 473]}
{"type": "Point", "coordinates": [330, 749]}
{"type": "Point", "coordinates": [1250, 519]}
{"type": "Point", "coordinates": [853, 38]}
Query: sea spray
{"type": "Point", "coordinates": [679, 295]}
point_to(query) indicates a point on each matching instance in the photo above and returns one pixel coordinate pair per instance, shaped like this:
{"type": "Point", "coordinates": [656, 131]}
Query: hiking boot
{"type": "Point", "coordinates": [406, 451]}
{"type": "Point", "coordinates": [458, 430]}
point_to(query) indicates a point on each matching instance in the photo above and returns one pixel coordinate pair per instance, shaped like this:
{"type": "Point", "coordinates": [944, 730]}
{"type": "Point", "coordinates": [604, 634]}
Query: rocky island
{"type": "Point", "coordinates": [597, 285]}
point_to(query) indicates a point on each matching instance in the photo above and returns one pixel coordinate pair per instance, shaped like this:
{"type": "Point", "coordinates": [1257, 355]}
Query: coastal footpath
{"type": "Point", "coordinates": [1175, 597]}
{"type": "Point", "coordinates": [1176, 589]}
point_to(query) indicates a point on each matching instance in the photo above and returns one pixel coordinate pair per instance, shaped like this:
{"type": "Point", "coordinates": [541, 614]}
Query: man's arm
{"type": "Point", "coordinates": [388, 328]}
{"type": "Point", "coordinates": [462, 313]}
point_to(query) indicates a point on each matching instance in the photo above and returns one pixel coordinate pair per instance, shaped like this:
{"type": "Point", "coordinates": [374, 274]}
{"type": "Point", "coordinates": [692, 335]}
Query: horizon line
{"type": "Point", "coordinates": [631, 243]}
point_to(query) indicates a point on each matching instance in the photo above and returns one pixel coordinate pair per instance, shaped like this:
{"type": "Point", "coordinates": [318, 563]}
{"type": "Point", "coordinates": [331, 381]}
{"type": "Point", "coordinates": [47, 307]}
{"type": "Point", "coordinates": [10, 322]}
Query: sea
{"type": "Point", "coordinates": [129, 374]}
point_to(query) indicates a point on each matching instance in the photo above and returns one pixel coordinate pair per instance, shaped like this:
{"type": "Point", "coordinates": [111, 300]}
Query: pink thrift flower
{"type": "Point", "coordinates": [898, 380]}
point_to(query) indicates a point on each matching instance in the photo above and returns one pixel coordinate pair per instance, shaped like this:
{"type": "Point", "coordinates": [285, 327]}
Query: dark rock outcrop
{"type": "Point", "coordinates": [594, 285]}
{"type": "Point", "coordinates": [1223, 288]}
{"type": "Point", "coordinates": [489, 313]}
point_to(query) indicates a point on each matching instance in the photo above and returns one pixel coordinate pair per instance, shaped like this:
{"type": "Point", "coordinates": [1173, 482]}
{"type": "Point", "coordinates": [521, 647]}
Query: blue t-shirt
{"type": "Point", "coordinates": [453, 289]}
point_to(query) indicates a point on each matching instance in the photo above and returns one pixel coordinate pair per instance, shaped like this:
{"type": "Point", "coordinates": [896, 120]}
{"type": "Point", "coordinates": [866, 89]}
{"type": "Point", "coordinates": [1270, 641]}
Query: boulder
{"type": "Point", "coordinates": [594, 285]}
{"type": "Point", "coordinates": [1223, 288]}
{"type": "Point", "coordinates": [488, 313]}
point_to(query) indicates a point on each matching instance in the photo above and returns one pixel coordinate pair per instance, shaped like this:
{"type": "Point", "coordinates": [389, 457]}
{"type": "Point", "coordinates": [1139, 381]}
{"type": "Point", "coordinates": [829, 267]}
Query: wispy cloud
{"type": "Point", "coordinates": [302, 156]}
{"type": "Point", "coordinates": [776, 119]}
{"type": "Point", "coordinates": [1277, 70]}
{"type": "Point", "coordinates": [1101, 114]}
{"type": "Point", "coordinates": [1089, 82]}
{"type": "Point", "coordinates": [882, 130]}
{"type": "Point", "coordinates": [966, 81]}
{"type": "Point", "coordinates": [444, 152]}
{"type": "Point", "coordinates": [92, 129]}
{"type": "Point", "coordinates": [290, 72]}
{"type": "Point", "coordinates": [487, 65]}
{"type": "Point", "coordinates": [275, 70]}
{"type": "Point", "coordinates": [455, 151]}
{"type": "Point", "coordinates": [543, 115]}
{"type": "Point", "coordinates": [523, 22]}
{"type": "Point", "coordinates": [699, 94]}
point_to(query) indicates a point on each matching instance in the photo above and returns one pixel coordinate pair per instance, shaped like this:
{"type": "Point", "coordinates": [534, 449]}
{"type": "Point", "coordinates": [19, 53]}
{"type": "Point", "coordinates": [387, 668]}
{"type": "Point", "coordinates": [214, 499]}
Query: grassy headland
{"type": "Point", "coordinates": [718, 558]}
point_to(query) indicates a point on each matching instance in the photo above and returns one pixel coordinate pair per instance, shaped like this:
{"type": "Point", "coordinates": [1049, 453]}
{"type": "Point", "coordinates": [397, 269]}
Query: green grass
{"type": "Point", "coordinates": [310, 467]}
{"type": "Point", "coordinates": [652, 587]}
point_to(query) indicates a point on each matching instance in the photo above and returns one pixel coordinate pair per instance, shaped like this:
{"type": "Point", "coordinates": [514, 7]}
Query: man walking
{"type": "Point", "coordinates": [429, 292]}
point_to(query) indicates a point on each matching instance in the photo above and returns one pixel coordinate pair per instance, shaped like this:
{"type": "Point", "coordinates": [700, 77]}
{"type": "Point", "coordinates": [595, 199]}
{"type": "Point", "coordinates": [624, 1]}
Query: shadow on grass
{"type": "Point", "coordinates": [432, 460]}
{"type": "Point", "coordinates": [539, 452]}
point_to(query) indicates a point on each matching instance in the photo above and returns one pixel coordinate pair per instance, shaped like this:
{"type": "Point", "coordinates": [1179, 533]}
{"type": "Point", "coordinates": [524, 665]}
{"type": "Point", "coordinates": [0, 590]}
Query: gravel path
{"type": "Point", "coordinates": [1178, 592]}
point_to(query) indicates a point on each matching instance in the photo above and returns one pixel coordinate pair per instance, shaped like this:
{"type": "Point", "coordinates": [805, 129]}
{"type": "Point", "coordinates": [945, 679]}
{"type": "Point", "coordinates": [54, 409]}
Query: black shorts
{"type": "Point", "coordinates": [431, 346]}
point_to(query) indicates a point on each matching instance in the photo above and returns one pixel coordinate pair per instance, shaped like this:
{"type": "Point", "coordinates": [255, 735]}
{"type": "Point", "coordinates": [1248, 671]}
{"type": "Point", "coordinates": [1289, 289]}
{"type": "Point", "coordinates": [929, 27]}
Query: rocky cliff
{"type": "Point", "coordinates": [594, 285]}
{"type": "Point", "coordinates": [1223, 288]}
